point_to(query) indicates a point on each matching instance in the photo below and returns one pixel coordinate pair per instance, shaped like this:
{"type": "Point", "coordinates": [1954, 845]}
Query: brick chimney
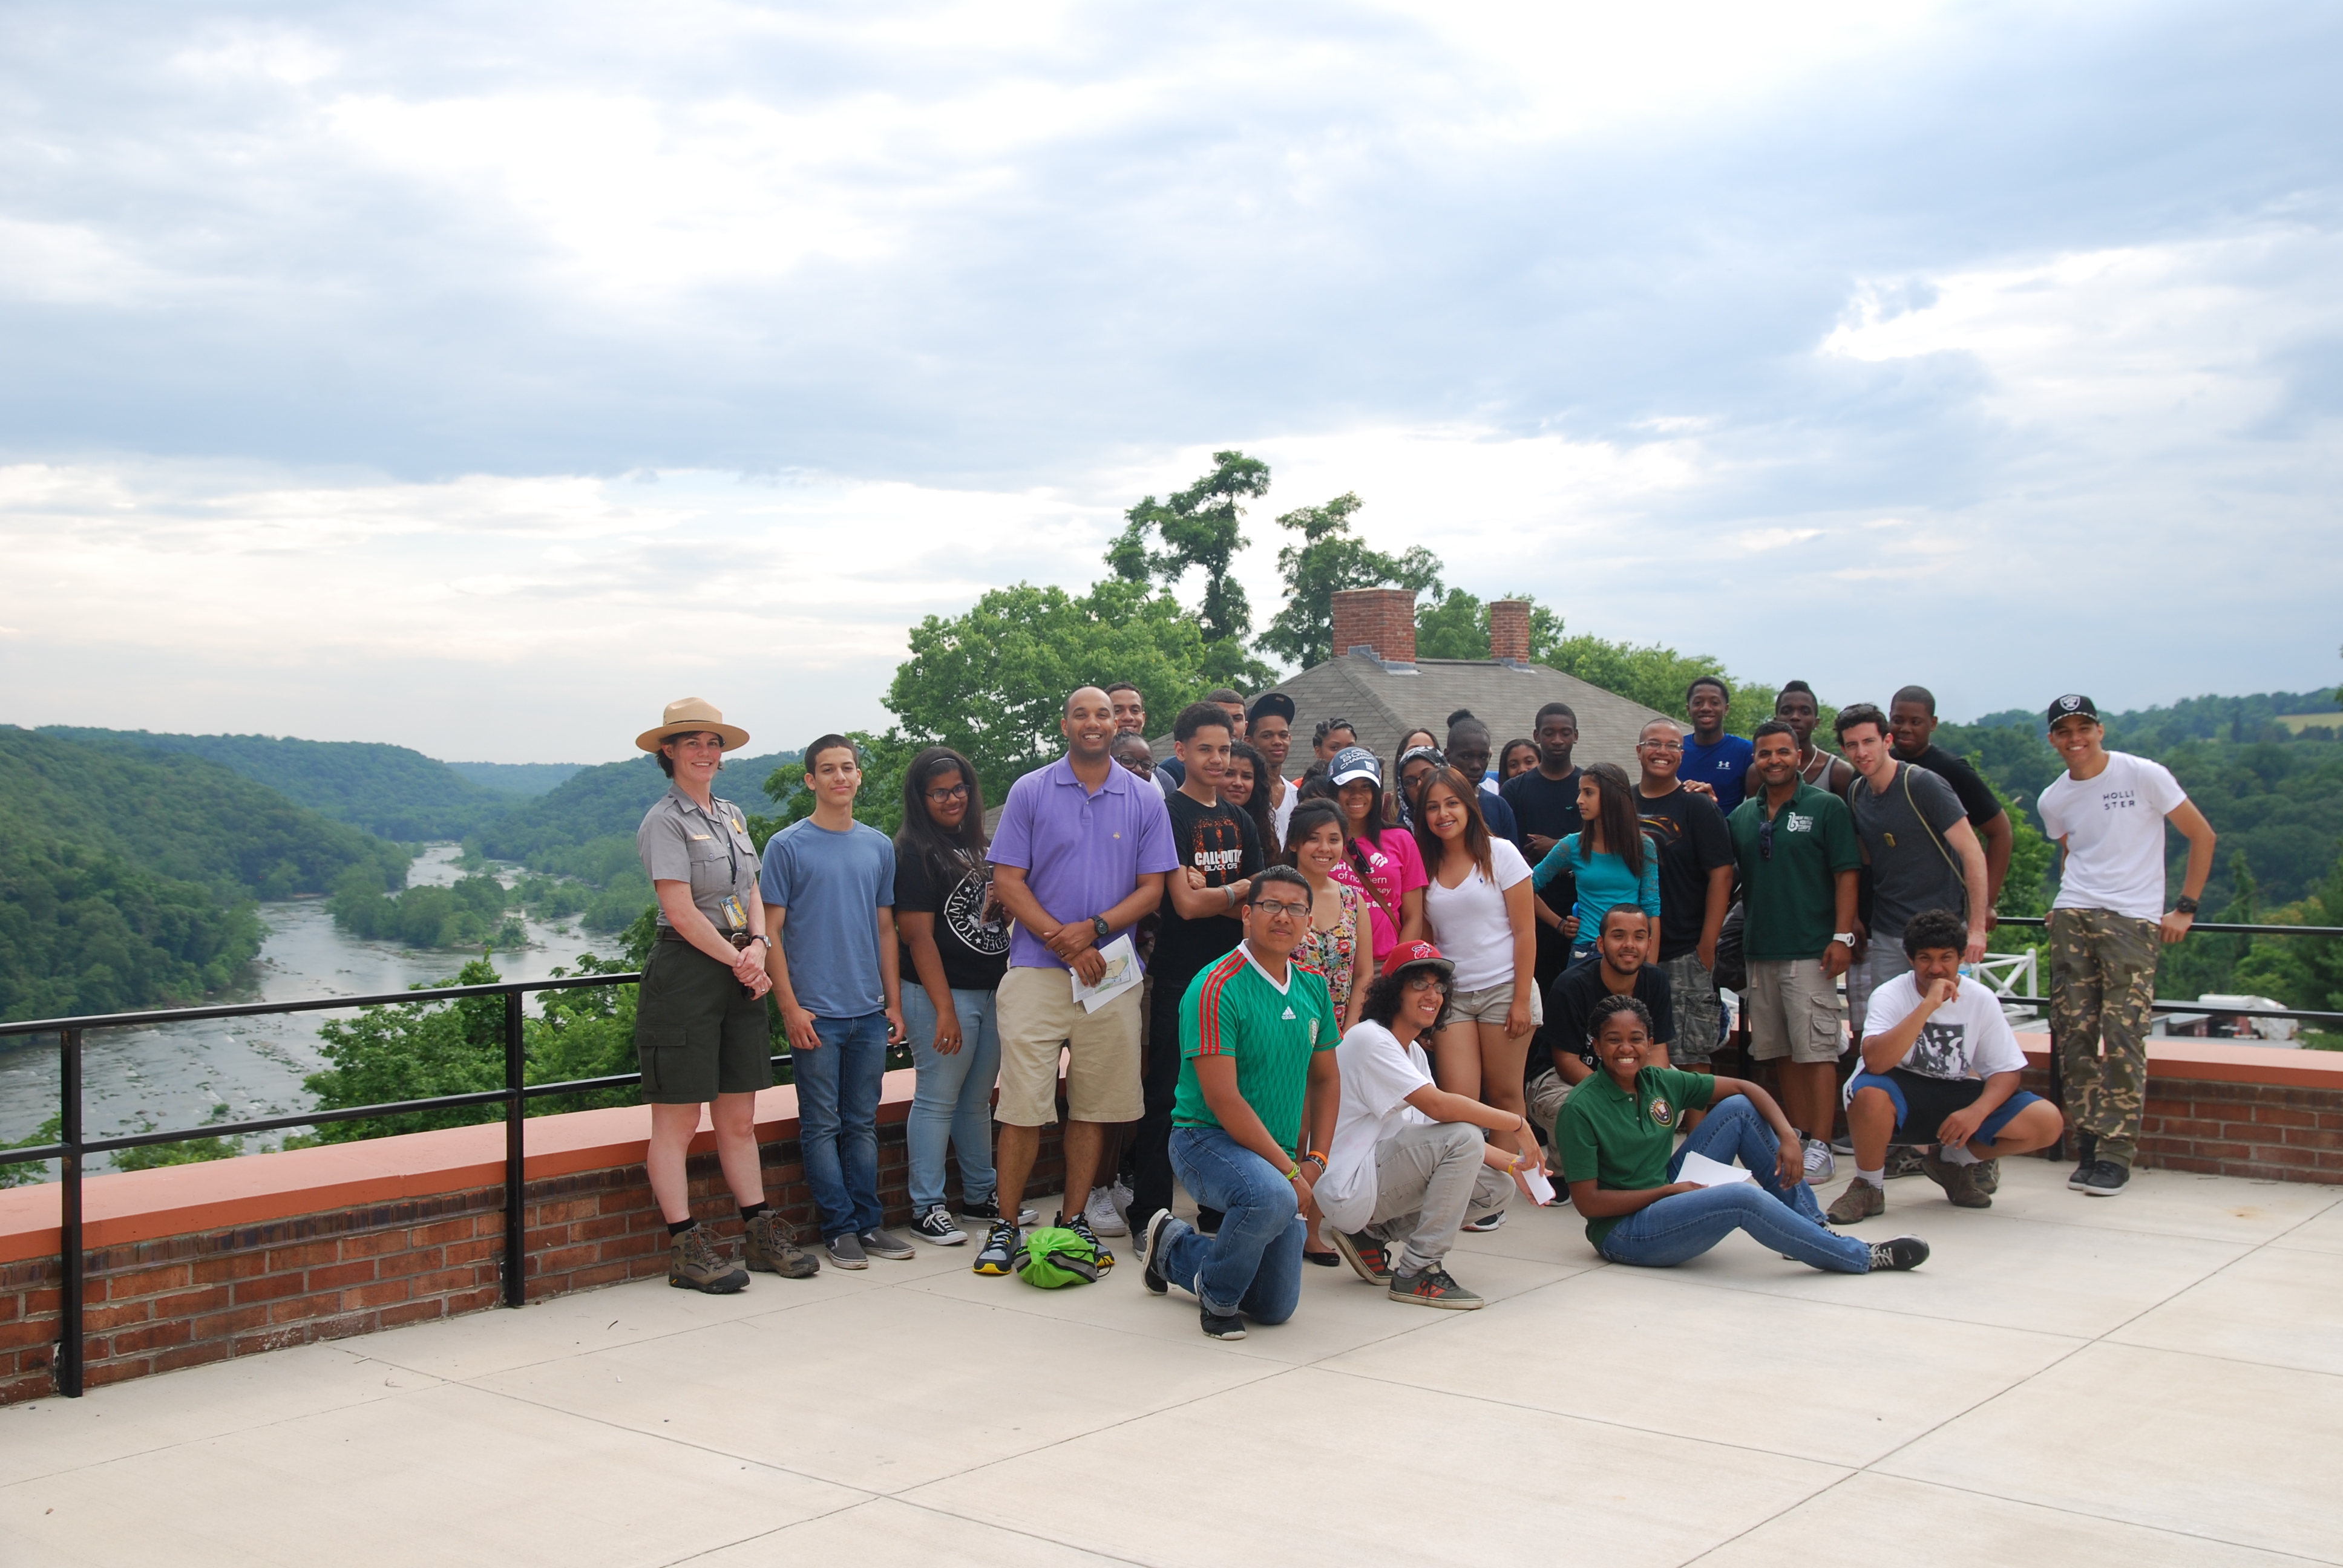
{"type": "Point", "coordinates": [1509, 630]}
{"type": "Point", "coordinates": [1381, 620]}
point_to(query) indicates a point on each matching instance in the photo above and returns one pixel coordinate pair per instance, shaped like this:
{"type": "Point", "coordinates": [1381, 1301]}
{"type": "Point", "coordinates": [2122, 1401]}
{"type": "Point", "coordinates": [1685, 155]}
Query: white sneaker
{"type": "Point", "coordinates": [1103, 1216]}
{"type": "Point", "coordinates": [1820, 1166]}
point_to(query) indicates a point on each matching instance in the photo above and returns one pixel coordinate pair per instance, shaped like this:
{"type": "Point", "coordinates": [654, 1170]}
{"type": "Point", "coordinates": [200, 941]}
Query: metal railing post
{"type": "Point", "coordinates": [515, 1227]}
{"type": "Point", "coordinates": [70, 1363]}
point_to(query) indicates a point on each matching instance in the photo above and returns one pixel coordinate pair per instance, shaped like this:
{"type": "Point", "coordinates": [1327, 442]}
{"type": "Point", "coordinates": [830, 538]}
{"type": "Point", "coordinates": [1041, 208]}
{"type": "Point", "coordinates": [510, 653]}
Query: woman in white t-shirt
{"type": "Point", "coordinates": [1476, 903]}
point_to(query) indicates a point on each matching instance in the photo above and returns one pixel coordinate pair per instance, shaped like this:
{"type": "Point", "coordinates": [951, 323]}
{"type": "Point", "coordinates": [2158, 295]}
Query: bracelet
{"type": "Point", "coordinates": [1313, 1154]}
{"type": "Point", "coordinates": [1294, 1173]}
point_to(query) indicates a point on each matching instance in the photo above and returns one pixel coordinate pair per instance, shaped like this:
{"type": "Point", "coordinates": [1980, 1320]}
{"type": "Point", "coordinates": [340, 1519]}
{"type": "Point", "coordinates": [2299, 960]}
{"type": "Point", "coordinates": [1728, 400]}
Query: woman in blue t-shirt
{"type": "Point", "coordinates": [1614, 860]}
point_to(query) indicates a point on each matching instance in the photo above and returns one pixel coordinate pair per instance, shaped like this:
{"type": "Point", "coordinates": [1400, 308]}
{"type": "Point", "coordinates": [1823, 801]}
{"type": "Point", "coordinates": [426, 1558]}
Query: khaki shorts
{"type": "Point", "coordinates": [1793, 1008]}
{"type": "Point", "coordinates": [1489, 1004]}
{"type": "Point", "coordinates": [1038, 1015]}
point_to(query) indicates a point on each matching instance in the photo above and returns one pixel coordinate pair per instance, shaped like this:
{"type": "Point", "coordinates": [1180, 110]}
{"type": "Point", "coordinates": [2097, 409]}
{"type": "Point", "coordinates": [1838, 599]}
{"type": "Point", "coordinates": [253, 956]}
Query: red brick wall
{"type": "Point", "coordinates": [182, 1301]}
{"type": "Point", "coordinates": [1509, 629]}
{"type": "Point", "coordinates": [1379, 618]}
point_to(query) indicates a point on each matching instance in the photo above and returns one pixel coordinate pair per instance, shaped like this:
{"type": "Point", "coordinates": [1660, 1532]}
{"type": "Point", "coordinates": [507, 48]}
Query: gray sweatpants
{"type": "Point", "coordinates": [1428, 1178]}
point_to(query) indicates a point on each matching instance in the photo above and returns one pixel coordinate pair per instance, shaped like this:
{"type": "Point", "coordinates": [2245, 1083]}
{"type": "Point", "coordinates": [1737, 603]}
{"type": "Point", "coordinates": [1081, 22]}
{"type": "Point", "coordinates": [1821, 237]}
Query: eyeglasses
{"type": "Point", "coordinates": [1659, 744]}
{"type": "Point", "coordinates": [955, 792]}
{"type": "Point", "coordinates": [1276, 906]}
{"type": "Point", "coordinates": [1425, 980]}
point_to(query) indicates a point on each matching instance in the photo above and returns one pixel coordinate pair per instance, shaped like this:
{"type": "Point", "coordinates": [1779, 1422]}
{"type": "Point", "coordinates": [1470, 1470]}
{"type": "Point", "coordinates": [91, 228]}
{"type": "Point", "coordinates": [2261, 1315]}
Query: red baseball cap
{"type": "Point", "coordinates": [1418, 955]}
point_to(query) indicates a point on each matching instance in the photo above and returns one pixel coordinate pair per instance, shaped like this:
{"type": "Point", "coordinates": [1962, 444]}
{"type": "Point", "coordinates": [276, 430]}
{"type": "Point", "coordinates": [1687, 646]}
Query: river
{"type": "Point", "coordinates": [230, 1069]}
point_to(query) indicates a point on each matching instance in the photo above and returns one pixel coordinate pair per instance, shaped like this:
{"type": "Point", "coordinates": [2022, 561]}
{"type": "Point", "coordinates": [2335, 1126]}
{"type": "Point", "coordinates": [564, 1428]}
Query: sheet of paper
{"type": "Point", "coordinates": [1708, 1173]}
{"type": "Point", "coordinates": [1123, 974]}
{"type": "Point", "coordinates": [1534, 1184]}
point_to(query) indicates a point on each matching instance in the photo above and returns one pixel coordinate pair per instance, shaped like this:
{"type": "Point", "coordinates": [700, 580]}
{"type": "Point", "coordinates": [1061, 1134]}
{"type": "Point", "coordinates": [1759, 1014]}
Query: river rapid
{"type": "Point", "coordinates": [230, 1069]}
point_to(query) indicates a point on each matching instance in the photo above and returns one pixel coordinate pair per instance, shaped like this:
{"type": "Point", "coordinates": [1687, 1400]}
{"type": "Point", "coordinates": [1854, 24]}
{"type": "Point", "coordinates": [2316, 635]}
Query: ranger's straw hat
{"type": "Point", "coordinates": [689, 715]}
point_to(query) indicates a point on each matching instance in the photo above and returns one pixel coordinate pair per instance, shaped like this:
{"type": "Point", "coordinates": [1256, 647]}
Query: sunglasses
{"type": "Point", "coordinates": [1766, 838]}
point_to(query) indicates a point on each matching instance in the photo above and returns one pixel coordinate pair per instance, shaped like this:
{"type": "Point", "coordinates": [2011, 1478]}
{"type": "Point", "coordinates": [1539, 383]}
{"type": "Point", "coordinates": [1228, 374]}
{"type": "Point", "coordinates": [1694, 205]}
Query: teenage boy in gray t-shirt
{"type": "Point", "coordinates": [1922, 851]}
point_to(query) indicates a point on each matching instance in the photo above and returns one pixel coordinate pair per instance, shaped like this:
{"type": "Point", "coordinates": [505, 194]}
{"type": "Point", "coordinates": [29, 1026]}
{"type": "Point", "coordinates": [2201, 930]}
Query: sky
{"type": "Point", "coordinates": [481, 377]}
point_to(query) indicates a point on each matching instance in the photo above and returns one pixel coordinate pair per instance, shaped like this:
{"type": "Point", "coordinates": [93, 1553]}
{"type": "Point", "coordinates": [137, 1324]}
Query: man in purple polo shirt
{"type": "Point", "coordinates": [1079, 856]}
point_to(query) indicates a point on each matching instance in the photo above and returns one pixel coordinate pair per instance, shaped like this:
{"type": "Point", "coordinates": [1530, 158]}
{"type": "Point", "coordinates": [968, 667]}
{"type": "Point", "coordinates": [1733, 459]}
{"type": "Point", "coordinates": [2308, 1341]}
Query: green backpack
{"type": "Point", "coordinates": [1056, 1256]}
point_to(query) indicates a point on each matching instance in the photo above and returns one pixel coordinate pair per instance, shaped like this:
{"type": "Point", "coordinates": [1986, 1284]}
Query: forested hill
{"type": "Point", "coordinates": [388, 790]}
{"type": "Point", "coordinates": [2274, 791]}
{"type": "Point", "coordinates": [604, 802]}
{"type": "Point", "coordinates": [127, 874]}
{"type": "Point", "coordinates": [517, 777]}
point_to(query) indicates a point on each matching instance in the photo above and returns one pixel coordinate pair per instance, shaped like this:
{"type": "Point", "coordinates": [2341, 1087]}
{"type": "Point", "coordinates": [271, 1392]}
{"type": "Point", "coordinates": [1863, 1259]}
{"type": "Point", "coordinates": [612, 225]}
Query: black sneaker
{"type": "Point", "coordinates": [937, 1225]}
{"type": "Point", "coordinates": [1485, 1223]}
{"type": "Point", "coordinates": [989, 1211]}
{"type": "Point", "coordinates": [1152, 1276]}
{"type": "Point", "coordinates": [1903, 1252]}
{"type": "Point", "coordinates": [2105, 1179]}
{"type": "Point", "coordinates": [2088, 1145]}
{"type": "Point", "coordinates": [1217, 1327]}
{"type": "Point", "coordinates": [998, 1256]}
{"type": "Point", "coordinates": [1080, 1226]}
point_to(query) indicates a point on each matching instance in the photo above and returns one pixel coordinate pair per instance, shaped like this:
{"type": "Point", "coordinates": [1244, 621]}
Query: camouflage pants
{"type": "Point", "coordinates": [2102, 979]}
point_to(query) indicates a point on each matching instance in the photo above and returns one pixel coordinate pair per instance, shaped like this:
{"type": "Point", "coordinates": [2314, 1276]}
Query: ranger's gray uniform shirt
{"type": "Point", "coordinates": [710, 849]}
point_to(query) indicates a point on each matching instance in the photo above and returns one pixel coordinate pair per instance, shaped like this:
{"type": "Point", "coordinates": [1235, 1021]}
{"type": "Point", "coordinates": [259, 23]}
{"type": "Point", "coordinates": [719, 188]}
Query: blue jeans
{"type": "Point", "coordinates": [1255, 1265]}
{"type": "Point", "coordinates": [837, 1120]}
{"type": "Point", "coordinates": [1663, 1234]}
{"type": "Point", "coordinates": [953, 1102]}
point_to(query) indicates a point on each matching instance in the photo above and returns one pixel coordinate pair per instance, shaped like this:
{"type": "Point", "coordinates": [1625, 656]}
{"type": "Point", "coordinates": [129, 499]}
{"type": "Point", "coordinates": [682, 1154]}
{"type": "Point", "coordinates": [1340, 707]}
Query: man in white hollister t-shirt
{"type": "Point", "coordinates": [1407, 1162]}
{"type": "Point", "coordinates": [1939, 1066]}
{"type": "Point", "coordinates": [2108, 812]}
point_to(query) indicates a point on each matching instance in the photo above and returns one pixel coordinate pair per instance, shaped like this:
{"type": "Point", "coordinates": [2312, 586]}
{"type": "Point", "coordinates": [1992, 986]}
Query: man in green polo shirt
{"type": "Point", "coordinates": [1257, 1036]}
{"type": "Point", "coordinates": [1799, 859]}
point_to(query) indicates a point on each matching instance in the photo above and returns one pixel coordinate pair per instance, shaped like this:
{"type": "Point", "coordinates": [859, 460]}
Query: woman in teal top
{"type": "Point", "coordinates": [1627, 874]}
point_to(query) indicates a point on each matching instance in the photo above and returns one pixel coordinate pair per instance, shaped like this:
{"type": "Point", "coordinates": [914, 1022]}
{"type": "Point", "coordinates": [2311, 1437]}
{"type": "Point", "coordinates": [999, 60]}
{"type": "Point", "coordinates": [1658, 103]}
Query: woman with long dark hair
{"type": "Point", "coordinates": [956, 939]}
{"type": "Point", "coordinates": [1379, 861]}
{"type": "Point", "coordinates": [1341, 942]}
{"type": "Point", "coordinates": [1414, 743]}
{"type": "Point", "coordinates": [1476, 906]}
{"type": "Point", "coordinates": [1614, 860]}
{"type": "Point", "coordinates": [1245, 785]}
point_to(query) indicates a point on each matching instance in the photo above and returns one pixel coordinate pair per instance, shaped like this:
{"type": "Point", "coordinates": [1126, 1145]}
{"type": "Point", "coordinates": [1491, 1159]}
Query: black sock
{"type": "Point", "coordinates": [677, 1227]}
{"type": "Point", "coordinates": [750, 1210]}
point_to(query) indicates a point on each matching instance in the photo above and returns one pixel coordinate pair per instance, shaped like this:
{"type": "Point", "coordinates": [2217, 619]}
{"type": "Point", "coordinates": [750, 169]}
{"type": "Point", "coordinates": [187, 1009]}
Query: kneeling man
{"type": "Point", "coordinates": [1256, 1034]}
{"type": "Point", "coordinates": [1939, 1065]}
{"type": "Point", "coordinates": [1409, 1162]}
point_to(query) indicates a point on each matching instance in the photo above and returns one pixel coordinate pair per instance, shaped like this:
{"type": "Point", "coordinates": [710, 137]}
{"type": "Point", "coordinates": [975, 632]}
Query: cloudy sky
{"type": "Point", "coordinates": [479, 377]}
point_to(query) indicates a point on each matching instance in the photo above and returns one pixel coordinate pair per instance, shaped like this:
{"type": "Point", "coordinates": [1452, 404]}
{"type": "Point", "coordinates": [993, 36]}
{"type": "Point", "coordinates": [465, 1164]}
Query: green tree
{"type": "Point", "coordinates": [885, 758]}
{"type": "Point", "coordinates": [413, 1050]}
{"type": "Point", "coordinates": [1653, 675]}
{"type": "Point", "coordinates": [2207, 962]}
{"type": "Point", "coordinates": [993, 683]}
{"type": "Point", "coordinates": [1201, 528]}
{"type": "Point", "coordinates": [1455, 627]}
{"type": "Point", "coordinates": [2300, 972]}
{"type": "Point", "coordinates": [1328, 560]}
{"type": "Point", "coordinates": [31, 1171]}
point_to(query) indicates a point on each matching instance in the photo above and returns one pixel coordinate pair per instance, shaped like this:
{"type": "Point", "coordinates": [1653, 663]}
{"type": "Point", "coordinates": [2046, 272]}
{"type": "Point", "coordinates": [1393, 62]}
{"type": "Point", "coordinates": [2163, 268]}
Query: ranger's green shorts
{"type": "Point", "coordinates": [698, 1032]}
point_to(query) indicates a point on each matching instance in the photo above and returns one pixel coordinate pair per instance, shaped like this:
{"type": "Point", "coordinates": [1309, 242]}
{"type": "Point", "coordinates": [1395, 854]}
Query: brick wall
{"type": "Point", "coordinates": [1509, 630]}
{"type": "Point", "coordinates": [182, 1301]}
{"type": "Point", "coordinates": [1379, 618]}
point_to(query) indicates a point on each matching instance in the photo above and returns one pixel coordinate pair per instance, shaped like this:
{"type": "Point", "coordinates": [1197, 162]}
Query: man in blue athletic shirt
{"type": "Point", "coordinates": [1711, 756]}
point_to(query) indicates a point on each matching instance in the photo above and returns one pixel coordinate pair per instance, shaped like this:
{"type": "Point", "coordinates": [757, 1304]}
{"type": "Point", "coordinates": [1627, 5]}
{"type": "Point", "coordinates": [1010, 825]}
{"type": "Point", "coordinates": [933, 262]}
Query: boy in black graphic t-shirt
{"type": "Point", "coordinates": [1203, 905]}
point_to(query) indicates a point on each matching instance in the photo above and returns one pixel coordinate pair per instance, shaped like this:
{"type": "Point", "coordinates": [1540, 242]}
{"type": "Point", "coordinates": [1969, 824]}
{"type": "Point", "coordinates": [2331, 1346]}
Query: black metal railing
{"type": "Point", "coordinates": [2309, 1015]}
{"type": "Point", "coordinates": [71, 1150]}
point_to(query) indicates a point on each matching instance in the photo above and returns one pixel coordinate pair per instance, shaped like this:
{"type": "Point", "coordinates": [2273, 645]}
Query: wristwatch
{"type": "Point", "coordinates": [1846, 937]}
{"type": "Point", "coordinates": [1099, 923]}
{"type": "Point", "coordinates": [2184, 906]}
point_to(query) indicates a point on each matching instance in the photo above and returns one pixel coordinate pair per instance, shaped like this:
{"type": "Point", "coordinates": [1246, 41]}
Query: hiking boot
{"type": "Point", "coordinates": [1368, 1257]}
{"type": "Point", "coordinates": [1903, 1252]}
{"type": "Point", "coordinates": [1988, 1176]}
{"type": "Point", "coordinates": [2088, 1145]}
{"type": "Point", "coordinates": [1217, 1327]}
{"type": "Point", "coordinates": [1903, 1160]}
{"type": "Point", "coordinates": [999, 1254]}
{"type": "Point", "coordinates": [2106, 1178]}
{"type": "Point", "coordinates": [879, 1243]}
{"type": "Point", "coordinates": [1960, 1182]}
{"type": "Point", "coordinates": [1434, 1288]}
{"type": "Point", "coordinates": [1105, 1218]}
{"type": "Point", "coordinates": [1859, 1202]}
{"type": "Point", "coordinates": [693, 1263]}
{"type": "Point", "coordinates": [989, 1211]}
{"type": "Point", "coordinates": [937, 1225]}
{"type": "Point", "coordinates": [1821, 1164]}
{"type": "Point", "coordinates": [846, 1251]}
{"type": "Point", "coordinates": [1080, 1226]}
{"type": "Point", "coordinates": [1158, 1229]}
{"type": "Point", "coordinates": [1485, 1223]}
{"type": "Point", "coordinates": [770, 1250]}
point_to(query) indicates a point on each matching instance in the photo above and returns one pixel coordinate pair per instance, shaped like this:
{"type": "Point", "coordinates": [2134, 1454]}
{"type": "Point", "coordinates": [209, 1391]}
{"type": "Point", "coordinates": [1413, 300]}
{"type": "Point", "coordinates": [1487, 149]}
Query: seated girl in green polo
{"type": "Point", "coordinates": [1613, 1137]}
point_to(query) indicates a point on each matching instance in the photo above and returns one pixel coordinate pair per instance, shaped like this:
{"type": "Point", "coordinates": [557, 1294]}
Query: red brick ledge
{"type": "Point", "coordinates": [2221, 1061]}
{"type": "Point", "coordinates": [120, 1208]}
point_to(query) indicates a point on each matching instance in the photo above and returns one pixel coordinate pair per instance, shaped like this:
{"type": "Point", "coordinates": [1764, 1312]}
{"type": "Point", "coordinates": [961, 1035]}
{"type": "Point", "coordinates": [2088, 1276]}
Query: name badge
{"type": "Point", "coordinates": [735, 917]}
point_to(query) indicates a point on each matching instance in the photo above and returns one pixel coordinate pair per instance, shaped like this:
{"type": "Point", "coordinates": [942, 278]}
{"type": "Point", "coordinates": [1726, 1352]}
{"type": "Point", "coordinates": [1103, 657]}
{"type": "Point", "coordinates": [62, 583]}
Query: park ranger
{"type": "Point", "coordinates": [699, 1019]}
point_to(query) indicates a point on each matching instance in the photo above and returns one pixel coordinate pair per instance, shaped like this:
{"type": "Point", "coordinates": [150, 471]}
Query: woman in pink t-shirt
{"type": "Point", "coordinates": [1383, 862]}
